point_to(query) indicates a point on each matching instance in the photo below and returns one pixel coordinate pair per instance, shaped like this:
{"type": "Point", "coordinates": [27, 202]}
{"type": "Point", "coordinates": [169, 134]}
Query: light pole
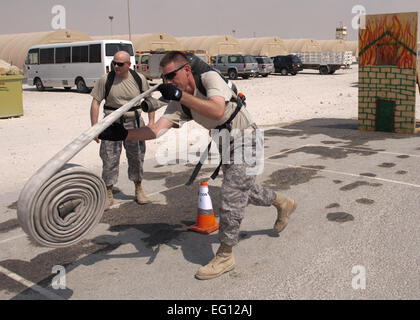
{"type": "Point", "coordinates": [129, 20]}
{"type": "Point", "coordinates": [110, 19]}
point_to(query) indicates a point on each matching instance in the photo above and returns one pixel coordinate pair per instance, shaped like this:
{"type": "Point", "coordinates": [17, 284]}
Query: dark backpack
{"type": "Point", "coordinates": [198, 67]}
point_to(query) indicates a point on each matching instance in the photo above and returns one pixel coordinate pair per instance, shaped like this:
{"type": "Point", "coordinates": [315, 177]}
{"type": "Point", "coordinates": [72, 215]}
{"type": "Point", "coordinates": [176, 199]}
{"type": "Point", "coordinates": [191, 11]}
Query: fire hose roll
{"type": "Point", "coordinates": [65, 207]}
{"type": "Point", "coordinates": [61, 203]}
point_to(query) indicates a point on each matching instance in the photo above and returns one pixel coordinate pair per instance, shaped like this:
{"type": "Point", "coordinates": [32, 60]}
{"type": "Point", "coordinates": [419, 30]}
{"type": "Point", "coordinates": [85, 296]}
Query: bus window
{"type": "Point", "coordinates": [80, 54]}
{"type": "Point", "coordinates": [95, 53]}
{"type": "Point", "coordinates": [62, 55]}
{"type": "Point", "coordinates": [46, 56]}
{"type": "Point", "coordinates": [33, 56]}
{"type": "Point", "coordinates": [113, 48]}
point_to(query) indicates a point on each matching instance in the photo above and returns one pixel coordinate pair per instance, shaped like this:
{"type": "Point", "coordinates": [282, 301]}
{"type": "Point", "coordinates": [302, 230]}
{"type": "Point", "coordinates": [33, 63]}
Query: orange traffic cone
{"type": "Point", "coordinates": [205, 222]}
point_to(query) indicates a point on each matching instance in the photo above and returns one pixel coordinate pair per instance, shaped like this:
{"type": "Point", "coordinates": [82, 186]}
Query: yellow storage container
{"type": "Point", "coordinates": [11, 104]}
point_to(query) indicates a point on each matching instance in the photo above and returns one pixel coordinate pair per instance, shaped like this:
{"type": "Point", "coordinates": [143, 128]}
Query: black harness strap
{"type": "Point", "coordinates": [198, 67]}
{"type": "Point", "coordinates": [227, 126]}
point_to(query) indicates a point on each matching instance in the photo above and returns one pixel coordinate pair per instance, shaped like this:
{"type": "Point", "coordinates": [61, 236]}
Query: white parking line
{"type": "Point", "coordinates": [29, 284]}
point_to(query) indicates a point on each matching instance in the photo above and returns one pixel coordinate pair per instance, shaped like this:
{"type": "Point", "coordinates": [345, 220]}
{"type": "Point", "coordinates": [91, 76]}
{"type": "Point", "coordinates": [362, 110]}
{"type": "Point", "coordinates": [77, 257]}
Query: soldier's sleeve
{"type": "Point", "coordinates": [98, 91]}
{"type": "Point", "coordinates": [144, 83]}
{"type": "Point", "coordinates": [174, 114]}
{"type": "Point", "coordinates": [215, 85]}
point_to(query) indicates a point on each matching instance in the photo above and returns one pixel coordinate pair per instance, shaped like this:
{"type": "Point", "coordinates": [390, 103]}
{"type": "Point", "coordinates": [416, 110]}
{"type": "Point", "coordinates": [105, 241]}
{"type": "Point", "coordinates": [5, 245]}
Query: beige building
{"type": "Point", "coordinates": [333, 45]}
{"type": "Point", "coordinates": [352, 46]}
{"type": "Point", "coordinates": [212, 45]}
{"type": "Point", "coordinates": [14, 47]}
{"type": "Point", "coordinates": [265, 46]}
{"type": "Point", "coordinates": [147, 41]}
{"type": "Point", "coordinates": [302, 45]}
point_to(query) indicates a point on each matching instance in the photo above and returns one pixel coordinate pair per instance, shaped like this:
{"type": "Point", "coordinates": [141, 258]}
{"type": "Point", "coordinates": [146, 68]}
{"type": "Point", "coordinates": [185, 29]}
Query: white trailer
{"type": "Point", "coordinates": [348, 59]}
{"type": "Point", "coordinates": [327, 62]}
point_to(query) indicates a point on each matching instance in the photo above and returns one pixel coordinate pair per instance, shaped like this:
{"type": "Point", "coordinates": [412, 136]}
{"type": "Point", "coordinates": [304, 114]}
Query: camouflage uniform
{"type": "Point", "coordinates": [110, 152]}
{"type": "Point", "coordinates": [239, 188]}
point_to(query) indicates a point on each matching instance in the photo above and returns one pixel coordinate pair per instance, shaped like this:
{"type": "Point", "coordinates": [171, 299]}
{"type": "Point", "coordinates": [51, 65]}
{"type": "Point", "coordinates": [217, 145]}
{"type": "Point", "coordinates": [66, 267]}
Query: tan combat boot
{"type": "Point", "coordinates": [109, 197]}
{"type": "Point", "coordinates": [221, 263]}
{"type": "Point", "coordinates": [140, 196]}
{"type": "Point", "coordinates": [285, 207]}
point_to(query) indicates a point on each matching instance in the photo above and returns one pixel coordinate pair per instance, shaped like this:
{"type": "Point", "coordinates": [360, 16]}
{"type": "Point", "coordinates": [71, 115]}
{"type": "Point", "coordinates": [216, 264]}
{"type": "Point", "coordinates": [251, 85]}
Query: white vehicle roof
{"type": "Point", "coordinates": [79, 43]}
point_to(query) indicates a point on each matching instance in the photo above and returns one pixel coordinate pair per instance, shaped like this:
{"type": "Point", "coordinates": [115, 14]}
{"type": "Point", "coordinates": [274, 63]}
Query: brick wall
{"type": "Point", "coordinates": [389, 83]}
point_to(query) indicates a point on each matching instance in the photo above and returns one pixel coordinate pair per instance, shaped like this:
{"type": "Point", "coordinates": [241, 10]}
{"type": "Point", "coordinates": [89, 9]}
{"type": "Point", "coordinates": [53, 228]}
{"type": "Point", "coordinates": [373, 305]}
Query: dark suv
{"type": "Point", "coordinates": [287, 64]}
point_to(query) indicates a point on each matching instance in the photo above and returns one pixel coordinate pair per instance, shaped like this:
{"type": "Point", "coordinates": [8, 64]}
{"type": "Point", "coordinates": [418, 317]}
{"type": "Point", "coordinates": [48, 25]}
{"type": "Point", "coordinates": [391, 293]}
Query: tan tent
{"type": "Point", "coordinates": [148, 41]}
{"type": "Point", "coordinates": [352, 46]}
{"type": "Point", "coordinates": [213, 45]}
{"type": "Point", "coordinates": [14, 47]}
{"type": "Point", "coordinates": [266, 46]}
{"type": "Point", "coordinates": [302, 45]}
{"type": "Point", "coordinates": [333, 45]}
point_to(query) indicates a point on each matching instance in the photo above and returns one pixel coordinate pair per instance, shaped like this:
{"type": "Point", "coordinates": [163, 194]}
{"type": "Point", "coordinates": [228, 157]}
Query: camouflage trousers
{"type": "Point", "coordinates": [110, 152]}
{"type": "Point", "coordinates": [239, 188]}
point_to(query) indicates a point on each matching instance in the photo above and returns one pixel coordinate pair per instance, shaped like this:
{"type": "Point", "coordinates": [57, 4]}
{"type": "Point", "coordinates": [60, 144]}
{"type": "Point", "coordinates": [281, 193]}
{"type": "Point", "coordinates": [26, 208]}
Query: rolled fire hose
{"type": "Point", "coordinates": [61, 203]}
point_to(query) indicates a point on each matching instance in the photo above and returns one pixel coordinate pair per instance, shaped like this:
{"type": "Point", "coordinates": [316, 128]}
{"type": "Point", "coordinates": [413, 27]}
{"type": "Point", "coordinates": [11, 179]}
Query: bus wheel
{"type": "Point", "coordinates": [81, 86]}
{"type": "Point", "coordinates": [39, 85]}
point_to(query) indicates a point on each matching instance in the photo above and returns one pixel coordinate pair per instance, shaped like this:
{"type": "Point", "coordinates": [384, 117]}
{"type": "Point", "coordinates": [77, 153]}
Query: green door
{"type": "Point", "coordinates": [385, 115]}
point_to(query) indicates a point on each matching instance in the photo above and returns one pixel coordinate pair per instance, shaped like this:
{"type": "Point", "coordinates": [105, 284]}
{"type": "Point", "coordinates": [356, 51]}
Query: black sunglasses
{"type": "Point", "coordinates": [120, 64]}
{"type": "Point", "coordinates": [172, 74]}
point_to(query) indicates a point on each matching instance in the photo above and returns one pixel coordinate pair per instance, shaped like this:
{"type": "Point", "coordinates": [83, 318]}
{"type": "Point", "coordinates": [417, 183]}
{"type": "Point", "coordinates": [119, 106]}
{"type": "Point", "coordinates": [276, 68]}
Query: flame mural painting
{"type": "Point", "coordinates": [387, 72]}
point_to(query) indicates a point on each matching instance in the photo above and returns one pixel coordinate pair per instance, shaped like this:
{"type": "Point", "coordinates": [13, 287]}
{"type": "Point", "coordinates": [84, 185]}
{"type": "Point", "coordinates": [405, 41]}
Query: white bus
{"type": "Point", "coordinates": [78, 64]}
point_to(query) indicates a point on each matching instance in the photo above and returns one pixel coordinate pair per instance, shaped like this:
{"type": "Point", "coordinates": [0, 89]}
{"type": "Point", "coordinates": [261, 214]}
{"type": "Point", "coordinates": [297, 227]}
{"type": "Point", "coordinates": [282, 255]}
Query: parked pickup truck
{"type": "Point", "coordinates": [234, 65]}
{"type": "Point", "coordinates": [327, 62]}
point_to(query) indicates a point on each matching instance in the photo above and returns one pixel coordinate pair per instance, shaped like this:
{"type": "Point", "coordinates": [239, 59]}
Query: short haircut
{"type": "Point", "coordinates": [173, 56]}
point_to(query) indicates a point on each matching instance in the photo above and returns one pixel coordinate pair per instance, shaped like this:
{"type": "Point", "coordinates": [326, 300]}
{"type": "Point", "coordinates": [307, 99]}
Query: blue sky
{"type": "Point", "coordinates": [285, 19]}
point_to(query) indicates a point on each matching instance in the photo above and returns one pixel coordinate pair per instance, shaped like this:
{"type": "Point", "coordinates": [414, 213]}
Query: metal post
{"type": "Point", "coordinates": [110, 19]}
{"type": "Point", "coordinates": [129, 20]}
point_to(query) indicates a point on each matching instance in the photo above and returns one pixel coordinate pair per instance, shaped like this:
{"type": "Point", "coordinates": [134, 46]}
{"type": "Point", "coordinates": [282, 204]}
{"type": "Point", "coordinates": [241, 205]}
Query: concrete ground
{"type": "Point", "coordinates": [354, 235]}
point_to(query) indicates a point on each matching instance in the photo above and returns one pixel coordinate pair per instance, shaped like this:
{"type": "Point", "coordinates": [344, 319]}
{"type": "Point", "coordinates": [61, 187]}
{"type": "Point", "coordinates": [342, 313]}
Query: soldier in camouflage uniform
{"type": "Point", "coordinates": [211, 111]}
{"type": "Point", "coordinates": [123, 89]}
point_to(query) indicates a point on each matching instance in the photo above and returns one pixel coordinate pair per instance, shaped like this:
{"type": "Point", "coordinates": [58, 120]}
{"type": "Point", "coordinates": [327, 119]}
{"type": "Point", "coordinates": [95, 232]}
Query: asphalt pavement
{"type": "Point", "coordinates": [355, 233]}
